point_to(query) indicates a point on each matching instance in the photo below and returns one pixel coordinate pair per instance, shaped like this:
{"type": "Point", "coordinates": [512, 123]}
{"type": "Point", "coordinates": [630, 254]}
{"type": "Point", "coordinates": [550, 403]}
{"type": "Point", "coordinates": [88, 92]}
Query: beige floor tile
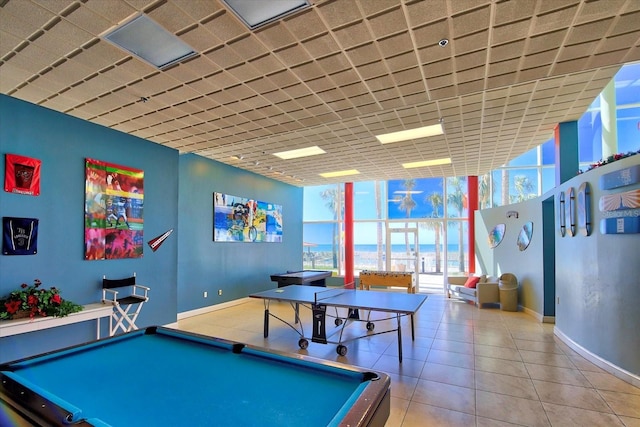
{"type": "Point", "coordinates": [450, 358]}
{"type": "Point", "coordinates": [565, 416]}
{"type": "Point", "coordinates": [488, 323]}
{"type": "Point", "coordinates": [408, 367]}
{"type": "Point", "coordinates": [495, 339]}
{"type": "Point", "coordinates": [623, 403]}
{"type": "Point", "coordinates": [584, 365]}
{"type": "Point", "coordinates": [511, 409]}
{"type": "Point", "coordinates": [569, 395]}
{"type": "Point", "coordinates": [397, 412]}
{"type": "Point", "coordinates": [606, 381]}
{"type": "Point", "coordinates": [497, 352]}
{"type": "Point", "coordinates": [501, 366]}
{"type": "Point", "coordinates": [541, 346]}
{"type": "Point", "coordinates": [533, 336]}
{"type": "Point", "coordinates": [551, 359]}
{"type": "Point", "coordinates": [445, 334]}
{"type": "Point", "coordinates": [557, 375]}
{"type": "Point", "coordinates": [506, 384]}
{"type": "Point", "coordinates": [461, 399]}
{"type": "Point", "coordinates": [453, 346]}
{"type": "Point", "coordinates": [448, 374]}
{"type": "Point", "coordinates": [488, 422]}
{"type": "Point", "coordinates": [629, 421]}
{"type": "Point", "coordinates": [421, 415]}
{"type": "Point", "coordinates": [402, 387]}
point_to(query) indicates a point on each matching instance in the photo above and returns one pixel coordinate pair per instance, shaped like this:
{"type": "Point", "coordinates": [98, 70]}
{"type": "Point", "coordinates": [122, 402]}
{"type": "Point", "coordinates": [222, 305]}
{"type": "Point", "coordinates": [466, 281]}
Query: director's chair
{"type": "Point", "coordinates": [122, 315]}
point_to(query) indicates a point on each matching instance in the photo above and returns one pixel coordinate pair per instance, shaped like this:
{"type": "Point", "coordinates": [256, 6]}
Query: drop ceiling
{"type": "Point", "coordinates": [333, 75]}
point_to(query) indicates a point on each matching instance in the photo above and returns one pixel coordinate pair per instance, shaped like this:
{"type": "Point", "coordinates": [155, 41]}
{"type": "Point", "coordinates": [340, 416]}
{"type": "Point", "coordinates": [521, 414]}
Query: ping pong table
{"type": "Point", "coordinates": [396, 305]}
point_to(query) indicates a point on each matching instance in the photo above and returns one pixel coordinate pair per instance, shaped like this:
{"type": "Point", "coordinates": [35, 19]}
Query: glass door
{"type": "Point", "coordinates": [403, 251]}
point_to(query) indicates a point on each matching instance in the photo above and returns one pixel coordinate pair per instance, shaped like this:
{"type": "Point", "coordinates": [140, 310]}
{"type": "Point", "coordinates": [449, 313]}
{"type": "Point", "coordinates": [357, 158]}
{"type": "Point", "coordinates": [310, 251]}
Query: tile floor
{"type": "Point", "coordinates": [466, 366]}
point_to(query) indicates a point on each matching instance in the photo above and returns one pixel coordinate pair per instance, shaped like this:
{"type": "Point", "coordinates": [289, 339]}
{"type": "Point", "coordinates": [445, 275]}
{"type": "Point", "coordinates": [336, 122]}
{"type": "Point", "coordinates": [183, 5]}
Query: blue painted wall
{"type": "Point", "coordinates": [187, 261]}
{"type": "Point", "coordinates": [236, 268]}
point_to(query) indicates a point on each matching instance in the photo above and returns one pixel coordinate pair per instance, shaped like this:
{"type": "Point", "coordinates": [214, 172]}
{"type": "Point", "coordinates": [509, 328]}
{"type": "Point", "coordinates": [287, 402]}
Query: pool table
{"type": "Point", "coordinates": [303, 277]}
{"type": "Point", "coordinates": [160, 376]}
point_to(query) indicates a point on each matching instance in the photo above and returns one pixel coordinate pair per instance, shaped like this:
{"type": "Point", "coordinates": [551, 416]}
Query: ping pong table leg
{"type": "Point", "coordinates": [413, 333]}
{"type": "Point", "coordinates": [399, 338]}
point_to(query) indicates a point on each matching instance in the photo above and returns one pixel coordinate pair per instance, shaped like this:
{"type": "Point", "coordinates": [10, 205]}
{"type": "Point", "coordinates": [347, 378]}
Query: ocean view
{"type": "Point", "coordinates": [366, 257]}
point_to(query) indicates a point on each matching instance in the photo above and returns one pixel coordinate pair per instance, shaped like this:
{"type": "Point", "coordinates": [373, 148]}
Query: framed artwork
{"type": "Point", "coordinates": [562, 210]}
{"type": "Point", "coordinates": [524, 238]}
{"type": "Point", "coordinates": [22, 175]}
{"type": "Point", "coordinates": [113, 211]}
{"type": "Point", "coordinates": [496, 235]}
{"type": "Point", "coordinates": [19, 236]}
{"type": "Point", "coordinates": [584, 209]}
{"type": "Point", "coordinates": [570, 212]}
{"type": "Point", "coordinates": [239, 219]}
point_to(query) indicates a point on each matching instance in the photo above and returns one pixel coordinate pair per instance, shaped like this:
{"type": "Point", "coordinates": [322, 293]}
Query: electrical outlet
{"type": "Point", "coordinates": [205, 294]}
{"type": "Point", "coordinates": [219, 291]}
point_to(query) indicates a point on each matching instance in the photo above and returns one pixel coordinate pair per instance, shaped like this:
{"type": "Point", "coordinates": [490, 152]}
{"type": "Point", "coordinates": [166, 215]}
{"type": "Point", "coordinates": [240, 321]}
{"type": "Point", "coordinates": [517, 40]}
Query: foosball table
{"type": "Point", "coordinates": [388, 279]}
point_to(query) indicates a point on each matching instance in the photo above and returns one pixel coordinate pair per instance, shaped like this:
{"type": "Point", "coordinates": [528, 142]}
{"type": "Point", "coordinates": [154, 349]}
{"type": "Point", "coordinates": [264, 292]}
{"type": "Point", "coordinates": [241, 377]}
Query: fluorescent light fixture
{"type": "Point", "coordinates": [435, 162]}
{"type": "Point", "coordinates": [147, 40]}
{"type": "Point", "coordinates": [339, 173]}
{"type": "Point", "coordinates": [300, 152]}
{"type": "Point", "coordinates": [405, 135]}
{"type": "Point", "coordinates": [256, 13]}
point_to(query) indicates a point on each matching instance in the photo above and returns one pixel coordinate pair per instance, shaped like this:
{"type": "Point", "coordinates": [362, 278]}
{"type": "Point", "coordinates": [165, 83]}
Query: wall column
{"type": "Point", "coordinates": [566, 144]}
{"type": "Point", "coordinates": [608, 116]}
{"type": "Point", "coordinates": [472, 190]}
{"type": "Point", "coordinates": [348, 235]}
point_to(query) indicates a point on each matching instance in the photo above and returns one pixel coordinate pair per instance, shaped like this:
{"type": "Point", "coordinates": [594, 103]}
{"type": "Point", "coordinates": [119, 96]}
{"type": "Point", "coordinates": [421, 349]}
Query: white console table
{"type": "Point", "coordinates": [21, 326]}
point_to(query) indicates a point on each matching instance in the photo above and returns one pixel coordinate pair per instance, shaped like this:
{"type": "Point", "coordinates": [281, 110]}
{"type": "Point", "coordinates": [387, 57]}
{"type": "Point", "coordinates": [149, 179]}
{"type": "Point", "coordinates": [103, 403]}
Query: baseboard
{"type": "Point", "coordinates": [531, 313]}
{"type": "Point", "coordinates": [549, 319]}
{"type": "Point", "coordinates": [597, 360]}
{"type": "Point", "coordinates": [211, 308]}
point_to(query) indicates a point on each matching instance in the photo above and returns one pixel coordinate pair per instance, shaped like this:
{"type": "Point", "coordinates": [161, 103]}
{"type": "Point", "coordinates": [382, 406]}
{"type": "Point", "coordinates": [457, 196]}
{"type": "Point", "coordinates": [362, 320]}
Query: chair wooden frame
{"type": "Point", "coordinates": [122, 316]}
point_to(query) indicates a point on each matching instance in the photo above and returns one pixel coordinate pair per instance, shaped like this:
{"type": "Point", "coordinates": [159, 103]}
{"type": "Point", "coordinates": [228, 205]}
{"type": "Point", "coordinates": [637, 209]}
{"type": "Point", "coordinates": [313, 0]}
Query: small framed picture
{"type": "Point", "coordinates": [22, 175]}
{"type": "Point", "coordinates": [19, 236]}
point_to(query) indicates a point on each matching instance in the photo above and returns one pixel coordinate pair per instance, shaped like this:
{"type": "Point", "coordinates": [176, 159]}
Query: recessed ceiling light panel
{"type": "Point", "coordinates": [425, 163]}
{"type": "Point", "coordinates": [149, 41]}
{"type": "Point", "coordinates": [339, 173]}
{"type": "Point", "coordinates": [300, 152]}
{"type": "Point", "coordinates": [256, 13]}
{"type": "Point", "coordinates": [405, 135]}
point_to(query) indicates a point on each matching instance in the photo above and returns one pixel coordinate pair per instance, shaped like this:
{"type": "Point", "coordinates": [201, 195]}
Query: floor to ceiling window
{"type": "Point", "coordinates": [421, 224]}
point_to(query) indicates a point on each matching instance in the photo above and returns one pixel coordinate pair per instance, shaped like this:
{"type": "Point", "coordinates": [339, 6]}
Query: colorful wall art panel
{"type": "Point", "coordinates": [496, 235]}
{"type": "Point", "coordinates": [238, 219]}
{"type": "Point", "coordinates": [113, 211]}
{"type": "Point", "coordinates": [22, 175]}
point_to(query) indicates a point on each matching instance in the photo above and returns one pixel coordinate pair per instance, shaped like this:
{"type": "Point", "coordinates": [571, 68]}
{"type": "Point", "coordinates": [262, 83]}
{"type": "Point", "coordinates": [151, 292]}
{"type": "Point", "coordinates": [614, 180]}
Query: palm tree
{"type": "Point", "coordinates": [524, 187]}
{"type": "Point", "coordinates": [436, 201]}
{"type": "Point", "coordinates": [505, 186]}
{"type": "Point", "coordinates": [333, 196]}
{"type": "Point", "coordinates": [457, 199]}
{"type": "Point", "coordinates": [407, 204]}
{"type": "Point", "coordinates": [485, 191]}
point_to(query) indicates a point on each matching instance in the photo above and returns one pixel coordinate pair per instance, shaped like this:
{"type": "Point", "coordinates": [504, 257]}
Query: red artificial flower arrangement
{"type": "Point", "coordinates": [34, 300]}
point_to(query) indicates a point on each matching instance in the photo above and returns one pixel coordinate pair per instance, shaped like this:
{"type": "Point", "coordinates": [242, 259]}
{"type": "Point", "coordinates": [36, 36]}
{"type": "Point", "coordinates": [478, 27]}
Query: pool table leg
{"type": "Point", "coordinates": [266, 318]}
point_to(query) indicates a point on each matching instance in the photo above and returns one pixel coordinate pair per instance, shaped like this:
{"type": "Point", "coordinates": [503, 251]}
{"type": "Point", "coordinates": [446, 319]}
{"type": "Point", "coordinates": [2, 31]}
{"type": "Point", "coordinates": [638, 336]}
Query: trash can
{"type": "Point", "coordinates": [508, 296]}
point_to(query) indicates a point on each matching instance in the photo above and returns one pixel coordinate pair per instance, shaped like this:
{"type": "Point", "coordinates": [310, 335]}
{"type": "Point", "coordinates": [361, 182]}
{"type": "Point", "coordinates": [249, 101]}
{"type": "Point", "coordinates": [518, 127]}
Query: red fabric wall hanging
{"type": "Point", "coordinates": [22, 175]}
